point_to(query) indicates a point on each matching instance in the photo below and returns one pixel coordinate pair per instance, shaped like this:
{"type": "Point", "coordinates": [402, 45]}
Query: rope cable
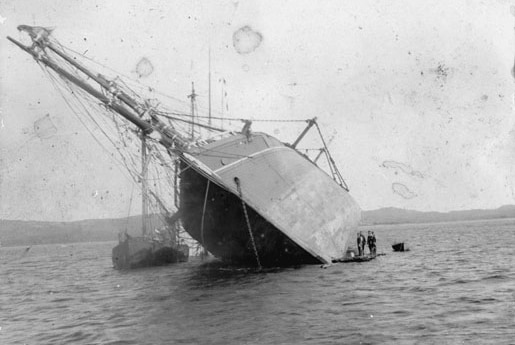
{"type": "Point", "coordinates": [203, 214]}
{"type": "Point", "coordinates": [129, 213]}
{"type": "Point", "coordinates": [244, 206]}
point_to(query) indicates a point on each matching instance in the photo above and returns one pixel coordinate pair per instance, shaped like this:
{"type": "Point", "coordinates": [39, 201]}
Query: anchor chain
{"type": "Point", "coordinates": [202, 221]}
{"type": "Point", "coordinates": [237, 181]}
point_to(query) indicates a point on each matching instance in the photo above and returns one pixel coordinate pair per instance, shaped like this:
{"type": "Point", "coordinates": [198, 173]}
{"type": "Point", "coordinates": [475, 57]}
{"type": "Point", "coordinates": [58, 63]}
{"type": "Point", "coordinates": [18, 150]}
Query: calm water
{"type": "Point", "coordinates": [456, 285]}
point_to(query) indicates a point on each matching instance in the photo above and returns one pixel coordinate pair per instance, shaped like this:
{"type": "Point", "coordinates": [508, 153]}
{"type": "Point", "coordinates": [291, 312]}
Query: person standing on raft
{"type": "Point", "coordinates": [361, 242]}
{"type": "Point", "coordinates": [372, 243]}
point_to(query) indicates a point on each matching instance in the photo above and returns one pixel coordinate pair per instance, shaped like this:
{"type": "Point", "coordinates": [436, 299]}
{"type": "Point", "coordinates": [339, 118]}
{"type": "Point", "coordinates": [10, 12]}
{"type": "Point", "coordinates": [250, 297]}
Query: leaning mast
{"type": "Point", "coordinates": [114, 98]}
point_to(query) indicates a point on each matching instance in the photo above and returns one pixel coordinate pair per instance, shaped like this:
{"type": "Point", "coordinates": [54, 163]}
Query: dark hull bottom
{"type": "Point", "coordinates": [137, 252]}
{"type": "Point", "coordinates": [224, 231]}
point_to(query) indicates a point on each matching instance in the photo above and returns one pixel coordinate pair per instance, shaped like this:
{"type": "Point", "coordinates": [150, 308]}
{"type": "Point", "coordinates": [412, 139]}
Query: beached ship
{"type": "Point", "coordinates": [245, 196]}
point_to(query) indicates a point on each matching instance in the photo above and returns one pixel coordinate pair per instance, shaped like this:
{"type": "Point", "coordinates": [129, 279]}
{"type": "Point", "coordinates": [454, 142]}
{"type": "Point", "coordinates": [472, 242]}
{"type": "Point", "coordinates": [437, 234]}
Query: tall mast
{"type": "Point", "coordinates": [192, 97]}
{"type": "Point", "coordinates": [222, 105]}
{"type": "Point", "coordinates": [209, 86]}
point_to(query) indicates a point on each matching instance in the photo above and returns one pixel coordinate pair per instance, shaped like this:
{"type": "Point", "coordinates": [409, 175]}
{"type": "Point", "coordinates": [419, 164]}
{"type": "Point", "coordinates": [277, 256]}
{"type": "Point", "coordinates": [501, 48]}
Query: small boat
{"type": "Point", "coordinates": [400, 247]}
{"type": "Point", "coordinates": [153, 248]}
{"type": "Point", "coordinates": [136, 252]}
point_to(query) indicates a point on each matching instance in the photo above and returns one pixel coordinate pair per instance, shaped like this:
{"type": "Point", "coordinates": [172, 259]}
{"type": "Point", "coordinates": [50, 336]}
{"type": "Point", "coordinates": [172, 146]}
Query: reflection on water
{"type": "Point", "coordinates": [457, 284]}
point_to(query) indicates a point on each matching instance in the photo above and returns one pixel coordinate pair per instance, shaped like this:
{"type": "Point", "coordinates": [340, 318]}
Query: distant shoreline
{"type": "Point", "coordinates": [362, 225]}
{"type": "Point", "coordinates": [26, 233]}
{"type": "Point", "coordinates": [391, 216]}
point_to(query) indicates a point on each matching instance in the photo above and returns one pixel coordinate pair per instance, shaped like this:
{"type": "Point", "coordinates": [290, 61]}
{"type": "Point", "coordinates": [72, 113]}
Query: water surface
{"type": "Point", "coordinates": [455, 286]}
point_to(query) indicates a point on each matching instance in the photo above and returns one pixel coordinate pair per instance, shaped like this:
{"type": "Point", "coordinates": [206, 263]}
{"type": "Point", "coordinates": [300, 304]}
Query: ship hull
{"type": "Point", "coordinates": [296, 213]}
{"type": "Point", "coordinates": [223, 230]}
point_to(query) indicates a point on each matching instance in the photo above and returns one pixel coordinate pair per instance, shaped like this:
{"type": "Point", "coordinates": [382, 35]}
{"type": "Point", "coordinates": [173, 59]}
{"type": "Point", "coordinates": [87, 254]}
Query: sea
{"type": "Point", "coordinates": [456, 285]}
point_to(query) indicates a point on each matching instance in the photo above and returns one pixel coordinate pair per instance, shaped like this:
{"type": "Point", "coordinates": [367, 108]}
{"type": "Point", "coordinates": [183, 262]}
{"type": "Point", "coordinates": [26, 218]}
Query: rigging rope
{"type": "Point", "coordinates": [136, 84]}
{"type": "Point", "coordinates": [56, 85]}
{"type": "Point", "coordinates": [237, 181]}
{"type": "Point", "coordinates": [128, 214]}
{"type": "Point", "coordinates": [134, 81]}
{"type": "Point", "coordinates": [235, 119]}
{"type": "Point", "coordinates": [203, 214]}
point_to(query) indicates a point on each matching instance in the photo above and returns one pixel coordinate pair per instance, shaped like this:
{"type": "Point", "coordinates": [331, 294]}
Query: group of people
{"type": "Point", "coordinates": [362, 242]}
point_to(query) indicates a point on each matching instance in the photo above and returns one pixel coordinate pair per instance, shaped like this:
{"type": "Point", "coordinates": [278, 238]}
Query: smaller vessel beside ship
{"type": "Point", "coordinates": [159, 243]}
{"type": "Point", "coordinates": [135, 252]}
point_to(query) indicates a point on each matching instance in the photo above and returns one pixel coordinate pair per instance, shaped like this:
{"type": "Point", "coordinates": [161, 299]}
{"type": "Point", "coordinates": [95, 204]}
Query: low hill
{"type": "Point", "coordinates": [17, 232]}
{"type": "Point", "coordinates": [393, 215]}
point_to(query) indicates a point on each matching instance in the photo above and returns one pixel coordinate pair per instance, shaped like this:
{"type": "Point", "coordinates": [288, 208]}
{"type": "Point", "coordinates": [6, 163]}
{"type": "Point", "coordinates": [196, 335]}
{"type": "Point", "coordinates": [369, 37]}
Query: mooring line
{"type": "Point", "coordinates": [237, 181]}
{"type": "Point", "coordinates": [203, 213]}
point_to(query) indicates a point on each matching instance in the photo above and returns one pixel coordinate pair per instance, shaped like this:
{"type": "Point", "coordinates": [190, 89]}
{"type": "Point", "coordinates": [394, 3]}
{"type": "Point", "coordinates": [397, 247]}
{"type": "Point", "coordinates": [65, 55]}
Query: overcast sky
{"type": "Point", "coordinates": [419, 95]}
